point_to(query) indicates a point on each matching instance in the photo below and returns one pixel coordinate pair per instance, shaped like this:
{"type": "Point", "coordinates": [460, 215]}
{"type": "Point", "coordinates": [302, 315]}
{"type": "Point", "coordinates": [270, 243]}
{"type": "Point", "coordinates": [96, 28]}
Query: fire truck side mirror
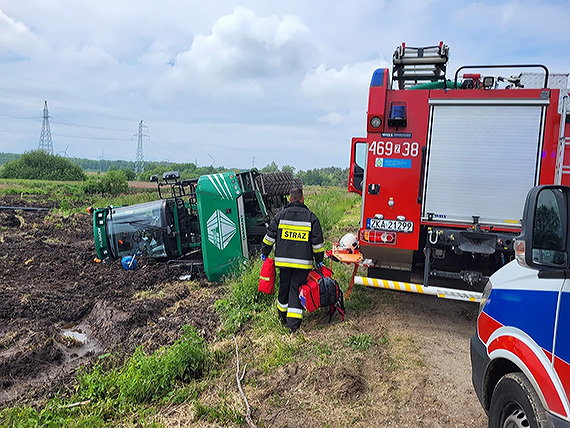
{"type": "Point", "coordinates": [543, 243]}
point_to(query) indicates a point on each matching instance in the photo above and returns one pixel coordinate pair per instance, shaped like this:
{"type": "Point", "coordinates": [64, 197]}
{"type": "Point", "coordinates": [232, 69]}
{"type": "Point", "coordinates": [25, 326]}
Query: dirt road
{"type": "Point", "coordinates": [53, 297]}
{"type": "Point", "coordinates": [416, 374]}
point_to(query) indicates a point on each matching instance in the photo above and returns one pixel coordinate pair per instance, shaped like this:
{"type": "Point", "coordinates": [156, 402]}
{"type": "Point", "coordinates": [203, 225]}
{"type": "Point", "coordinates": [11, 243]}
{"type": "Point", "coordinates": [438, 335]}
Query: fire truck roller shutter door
{"type": "Point", "coordinates": [482, 161]}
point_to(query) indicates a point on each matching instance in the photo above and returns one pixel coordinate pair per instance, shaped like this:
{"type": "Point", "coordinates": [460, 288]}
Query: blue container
{"type": "Point", "coordinates": [129, 262]}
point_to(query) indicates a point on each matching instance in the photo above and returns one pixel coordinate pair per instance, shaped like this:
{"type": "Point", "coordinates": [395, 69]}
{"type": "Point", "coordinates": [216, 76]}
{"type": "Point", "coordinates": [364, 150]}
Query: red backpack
{"type": "Point", "coordinates": [321, 290]}
{"type": "Point", "coordinates": [267, 277]}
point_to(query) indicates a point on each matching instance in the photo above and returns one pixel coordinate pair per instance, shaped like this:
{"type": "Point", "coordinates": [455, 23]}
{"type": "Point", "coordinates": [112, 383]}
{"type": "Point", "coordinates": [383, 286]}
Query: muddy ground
{"type": "Point", "coordinates": [60, 309]}
{"type": "Point", "coordinates": [54, 296]}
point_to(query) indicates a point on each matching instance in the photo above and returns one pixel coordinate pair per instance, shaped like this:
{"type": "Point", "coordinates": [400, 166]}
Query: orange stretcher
{"type": "Point", "coordinates": [349, 257]}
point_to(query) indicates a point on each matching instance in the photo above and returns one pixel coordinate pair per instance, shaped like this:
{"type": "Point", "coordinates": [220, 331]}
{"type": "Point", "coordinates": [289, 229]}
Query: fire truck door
{"type": "Point", "coordinates": [358, 157]}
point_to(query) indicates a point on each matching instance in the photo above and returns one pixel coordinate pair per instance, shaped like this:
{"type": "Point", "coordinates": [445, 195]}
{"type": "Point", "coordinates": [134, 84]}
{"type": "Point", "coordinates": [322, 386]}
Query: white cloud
{"type": "Point", "coordinates": [331, 118]}
{"type": "Point", "coordinates": [242, 50]}
{"type": "Point", "coordinates": [158, 54]}
{"type": "Point", "coordinates": [93, 58]}
{"type": "Point", "coordinates": [340, 90]}
{"type": "Point", "coordinates": [526, 19]}
{"type": "Point", "coordinates": [17, 39]}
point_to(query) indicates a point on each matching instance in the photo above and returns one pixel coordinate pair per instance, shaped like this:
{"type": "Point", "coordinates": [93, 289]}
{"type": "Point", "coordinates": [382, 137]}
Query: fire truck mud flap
{"type": "Point", "coordinates": [441, 292]}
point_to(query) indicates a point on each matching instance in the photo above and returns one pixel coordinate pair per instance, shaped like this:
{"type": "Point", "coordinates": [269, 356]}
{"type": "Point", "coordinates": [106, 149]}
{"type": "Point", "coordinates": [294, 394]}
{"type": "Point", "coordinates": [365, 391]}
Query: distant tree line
{"type": "Point", "coordinates": [328, 176]}
{"type": "Point", "coordinates": [6, 157]}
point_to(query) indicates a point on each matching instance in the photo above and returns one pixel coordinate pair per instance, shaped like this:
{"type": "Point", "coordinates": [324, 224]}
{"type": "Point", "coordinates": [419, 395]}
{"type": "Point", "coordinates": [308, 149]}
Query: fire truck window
{"type": "Point", "coordinates": [549, 236]}
{"type": "Point", "coordinates": [360, 154]}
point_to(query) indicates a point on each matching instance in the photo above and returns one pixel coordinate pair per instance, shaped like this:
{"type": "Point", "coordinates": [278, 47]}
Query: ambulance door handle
{"type": "Point", "coordinates": [422, 168]}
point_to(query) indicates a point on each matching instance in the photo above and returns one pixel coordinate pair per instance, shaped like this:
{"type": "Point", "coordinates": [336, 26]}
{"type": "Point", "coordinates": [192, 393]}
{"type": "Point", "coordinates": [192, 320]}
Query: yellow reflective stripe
{"type": "Point", "coordinates": [319, 250]}
{"type": "Point", "coordinates": [265, 278]}
{"type": "Point", "coordinates": [292, 227]}
{"type": "Point", "coordinates": [293, 265]}
{"type": "Point", "coordinates": [282, 308]}
{"type": "Point", "coordinates": [266, 242]}
{"type": "Point", "coordinates": [294, 315]}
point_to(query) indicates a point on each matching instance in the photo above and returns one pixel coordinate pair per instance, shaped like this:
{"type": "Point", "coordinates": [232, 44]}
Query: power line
{"type": "Point", "coordinates": [65, 122]}
{"type": "Point", "coordinates": [130, 119]}
{"type": "Point", "coordinates": [95, 138]}
{"type": "Point", "coordinates": [18, 131]}
{"type": "Point", "coordinates": [13, 116]}
{"type": "Point", "coordinates": [21, 131]}
{"type": "Point", "coordinates": [182, 147]}
{"type": "Point", "coordinates": [58, 119]}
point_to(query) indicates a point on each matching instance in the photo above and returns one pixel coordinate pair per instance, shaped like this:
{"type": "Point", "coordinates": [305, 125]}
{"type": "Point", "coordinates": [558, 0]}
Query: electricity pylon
{"type": "Point", "coordinates": [45, 136]}
{"type": "Point", "coordinates": [139, 163]}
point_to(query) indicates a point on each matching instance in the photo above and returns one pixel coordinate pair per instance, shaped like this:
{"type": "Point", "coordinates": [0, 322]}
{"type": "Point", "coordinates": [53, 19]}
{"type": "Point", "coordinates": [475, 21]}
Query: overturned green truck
{"type": "Point", "coordinates": [211, 223]}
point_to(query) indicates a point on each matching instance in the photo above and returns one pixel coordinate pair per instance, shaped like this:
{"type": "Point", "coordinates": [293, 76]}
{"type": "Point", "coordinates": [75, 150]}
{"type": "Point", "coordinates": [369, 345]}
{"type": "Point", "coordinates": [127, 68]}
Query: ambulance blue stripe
{"type": "Point", "coordinates": [563, 337]}
{"type": "Point", "coordinates": [513, 307]}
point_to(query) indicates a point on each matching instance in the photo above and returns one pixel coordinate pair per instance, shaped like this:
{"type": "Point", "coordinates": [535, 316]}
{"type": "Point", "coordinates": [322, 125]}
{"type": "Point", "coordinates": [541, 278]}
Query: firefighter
{"type": "Point", "coordinates": [298, 238]}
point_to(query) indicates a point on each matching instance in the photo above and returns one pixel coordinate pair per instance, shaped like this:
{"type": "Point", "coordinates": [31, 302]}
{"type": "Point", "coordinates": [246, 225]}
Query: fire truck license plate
{"type": "Point", "coordinates": [391, 225]}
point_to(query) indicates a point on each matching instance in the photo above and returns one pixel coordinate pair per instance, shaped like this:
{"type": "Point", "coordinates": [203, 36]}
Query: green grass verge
{"type": "Point", "coordinates": [122, 391]}
{"type": "Point", "coordinates": [70, 197]}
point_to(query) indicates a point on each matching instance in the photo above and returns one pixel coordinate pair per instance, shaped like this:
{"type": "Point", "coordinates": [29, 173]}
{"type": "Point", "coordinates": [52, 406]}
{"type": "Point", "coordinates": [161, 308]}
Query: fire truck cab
{"type": "Point", "coordinates": [520, 355]}
{"type": "Point", "coordinates": [445, 167]}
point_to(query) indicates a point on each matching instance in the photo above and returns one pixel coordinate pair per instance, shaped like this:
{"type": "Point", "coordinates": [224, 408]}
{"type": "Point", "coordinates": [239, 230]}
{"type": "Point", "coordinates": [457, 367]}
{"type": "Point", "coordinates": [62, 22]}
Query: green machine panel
{"type": "Point", "coordinates": [222, 222]}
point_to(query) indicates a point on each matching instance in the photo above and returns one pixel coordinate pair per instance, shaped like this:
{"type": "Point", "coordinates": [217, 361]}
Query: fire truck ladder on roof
{"type": "Point", "coordinates": [413, 65]}
{"type": "Point", "coordinates": [563, 143]}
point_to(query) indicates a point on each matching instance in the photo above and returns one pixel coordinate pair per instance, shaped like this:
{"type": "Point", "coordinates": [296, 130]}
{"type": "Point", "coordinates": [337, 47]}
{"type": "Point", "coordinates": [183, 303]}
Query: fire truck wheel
{"type": "Point", "coordinates": [515, 404]}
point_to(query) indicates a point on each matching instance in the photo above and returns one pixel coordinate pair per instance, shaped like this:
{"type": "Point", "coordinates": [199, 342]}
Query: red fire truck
{"type": "Point", "coordinates": [446, 165]}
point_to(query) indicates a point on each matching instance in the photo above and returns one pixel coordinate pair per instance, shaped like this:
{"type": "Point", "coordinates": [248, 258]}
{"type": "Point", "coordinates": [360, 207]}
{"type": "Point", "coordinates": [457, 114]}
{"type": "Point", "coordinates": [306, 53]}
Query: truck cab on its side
{"type": "Point", "coordinates": [520, 355]}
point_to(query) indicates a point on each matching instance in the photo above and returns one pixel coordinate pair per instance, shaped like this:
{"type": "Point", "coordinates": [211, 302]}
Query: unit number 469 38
{"type": "Point", "coordinates": [388, 148]}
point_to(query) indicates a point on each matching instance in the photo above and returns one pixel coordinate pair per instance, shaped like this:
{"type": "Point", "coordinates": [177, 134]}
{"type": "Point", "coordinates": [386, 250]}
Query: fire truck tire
{"type": "Point", "coordinates": [515, 404]}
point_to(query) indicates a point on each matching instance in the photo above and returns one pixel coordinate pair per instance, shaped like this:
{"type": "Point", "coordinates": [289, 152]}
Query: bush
{"type": "Point", "coordinates": [112, 183]}
{"type": "Point", "coordinates": [40, 165]}
{"type": "Point", "coordinates": [131, 175]}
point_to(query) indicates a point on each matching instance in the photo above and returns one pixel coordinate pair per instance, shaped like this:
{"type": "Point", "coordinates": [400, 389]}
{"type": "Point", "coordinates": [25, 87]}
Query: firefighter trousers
{"type": "Point", "coordinates": [288, 303]}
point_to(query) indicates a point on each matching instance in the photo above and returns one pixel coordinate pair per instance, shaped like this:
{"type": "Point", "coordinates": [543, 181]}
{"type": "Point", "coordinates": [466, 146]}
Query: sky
{"type": "Point", "coordinates": [236, 84]}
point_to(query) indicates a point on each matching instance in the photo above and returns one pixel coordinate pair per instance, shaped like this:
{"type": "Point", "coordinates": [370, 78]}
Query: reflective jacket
{"type": "Point", "coordinates": [297, 235]}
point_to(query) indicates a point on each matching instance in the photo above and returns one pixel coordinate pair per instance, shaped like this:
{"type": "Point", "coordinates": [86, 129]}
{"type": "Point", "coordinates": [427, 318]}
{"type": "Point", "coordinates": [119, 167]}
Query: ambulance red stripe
{"type": "Point", "coordinates": [538, 371]}
{"type": "Point", "coordinates": [486, 326]}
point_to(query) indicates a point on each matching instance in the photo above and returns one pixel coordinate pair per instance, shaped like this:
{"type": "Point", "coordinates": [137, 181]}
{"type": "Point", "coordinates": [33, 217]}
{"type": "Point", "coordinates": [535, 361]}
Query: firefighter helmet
{"type": "Point", "coordinates": [349, 242]}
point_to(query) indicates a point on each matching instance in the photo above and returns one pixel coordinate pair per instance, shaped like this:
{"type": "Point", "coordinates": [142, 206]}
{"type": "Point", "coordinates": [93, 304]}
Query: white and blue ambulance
{"type": "Point", "coordinates": [520, 355]}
